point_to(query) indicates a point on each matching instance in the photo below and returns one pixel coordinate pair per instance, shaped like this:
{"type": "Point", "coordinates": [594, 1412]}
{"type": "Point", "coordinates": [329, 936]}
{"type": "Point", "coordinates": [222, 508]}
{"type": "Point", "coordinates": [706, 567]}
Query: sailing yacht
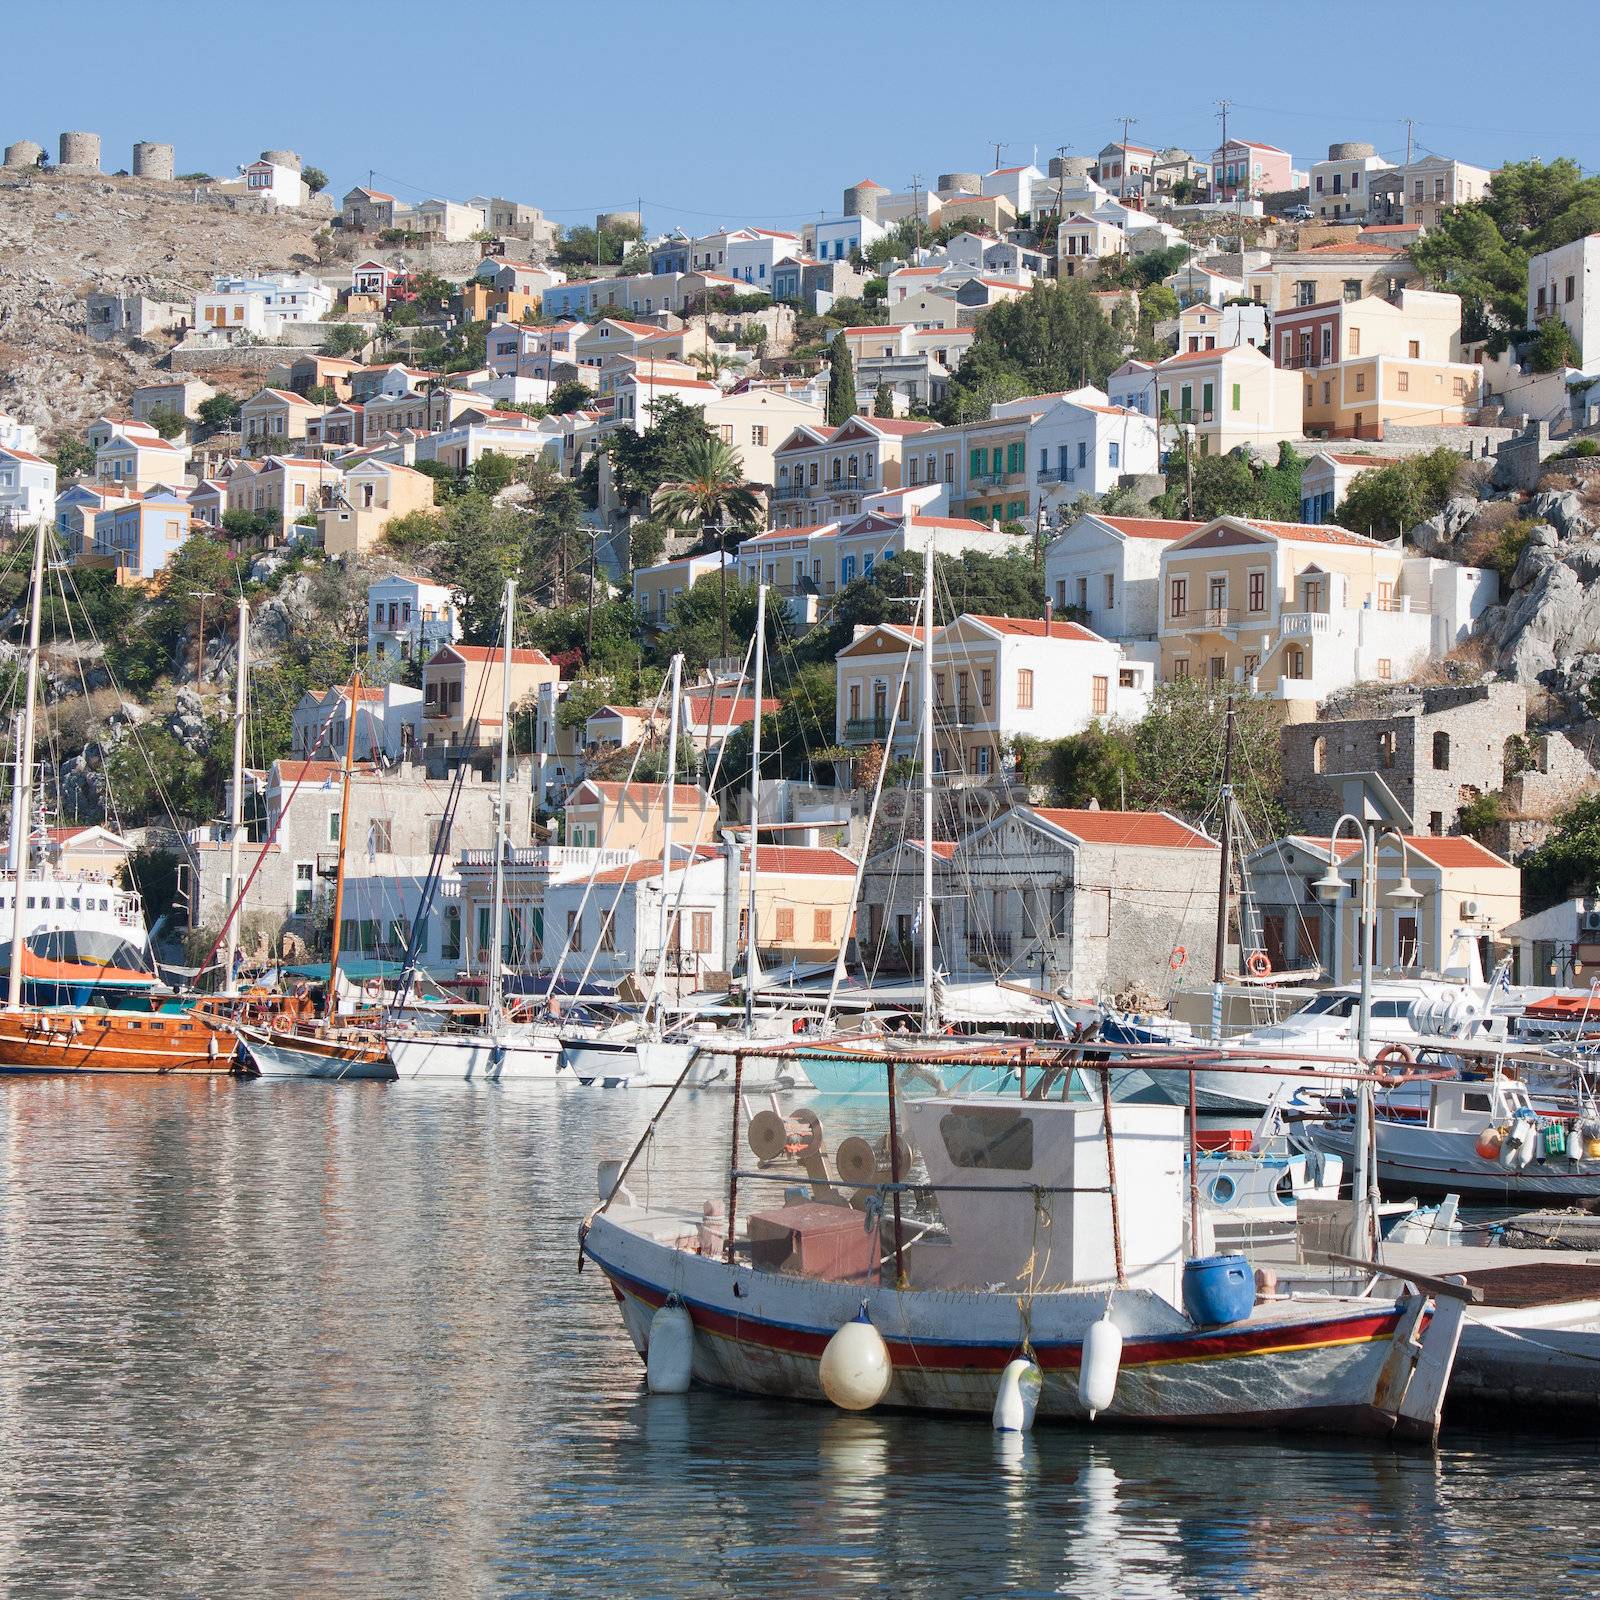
{"type": "Point", "coordinates": [504, 1050]}
{"type": "Point", "coordinates": [305, 1047]}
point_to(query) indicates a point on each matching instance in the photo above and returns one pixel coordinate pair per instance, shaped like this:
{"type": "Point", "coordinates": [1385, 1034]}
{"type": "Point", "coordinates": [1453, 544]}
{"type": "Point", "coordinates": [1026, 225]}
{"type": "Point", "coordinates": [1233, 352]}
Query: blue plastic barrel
{"type": "Point", "coordinates": [1218, 1290]}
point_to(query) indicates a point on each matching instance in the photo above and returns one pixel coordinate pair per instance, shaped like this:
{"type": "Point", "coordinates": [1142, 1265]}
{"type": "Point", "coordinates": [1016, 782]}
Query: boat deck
{"type": "Point", "coordinates": [1509, 1279]}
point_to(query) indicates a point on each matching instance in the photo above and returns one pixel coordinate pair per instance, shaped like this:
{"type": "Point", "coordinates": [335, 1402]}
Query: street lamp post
{"type": "Point", "coordinates": [1330, 887]}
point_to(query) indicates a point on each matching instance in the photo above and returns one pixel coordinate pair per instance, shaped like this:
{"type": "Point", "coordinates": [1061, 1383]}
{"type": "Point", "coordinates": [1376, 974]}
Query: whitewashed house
{"type": "Point", "coordinates": [27, 488]}
{"type": "Point", "coordinates": [1107, 572]}
{"type": "Point", "coordinates": [1077, 447]}
{"type": "Point", "coordinates": [409, 618]}
{"type": "Point", "coordinates": [387, 729]}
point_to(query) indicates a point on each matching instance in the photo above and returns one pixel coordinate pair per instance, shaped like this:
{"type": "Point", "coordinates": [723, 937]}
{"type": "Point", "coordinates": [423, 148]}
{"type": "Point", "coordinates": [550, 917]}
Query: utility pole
{"type": "Point", "coordinates": [1127, 122]}
{"type": "Point", "coordinates": [589, 629]}
{"type": "Point", "coordinates": [1224, 104]}
{"type": "Point", "coordinates": [998, 147]}
{"type": "Point", "coordinates": [916, 208]}
{"type": "Point", "coordinates": [1405, 171]}
{"type": "Point", "coordinates": [202, 595]}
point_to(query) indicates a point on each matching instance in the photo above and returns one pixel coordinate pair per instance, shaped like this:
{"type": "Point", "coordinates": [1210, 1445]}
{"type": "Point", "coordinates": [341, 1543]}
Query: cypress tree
{"type": "Point", "coordinates": [841, 382]}
{"type": "Point", "coordinates": [883, 401]}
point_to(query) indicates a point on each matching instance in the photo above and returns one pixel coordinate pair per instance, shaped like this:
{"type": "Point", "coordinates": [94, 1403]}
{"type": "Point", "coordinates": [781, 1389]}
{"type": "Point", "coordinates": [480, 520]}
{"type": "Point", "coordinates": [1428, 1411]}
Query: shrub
{"type": "Point", "coordinates": [1480, 814]}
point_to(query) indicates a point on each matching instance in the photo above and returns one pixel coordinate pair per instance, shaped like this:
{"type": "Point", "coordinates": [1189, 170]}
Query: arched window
{"type": "Point", "coordinates": [1319, 753]}
{"type": "Point", "coordinates": [1441, 752]}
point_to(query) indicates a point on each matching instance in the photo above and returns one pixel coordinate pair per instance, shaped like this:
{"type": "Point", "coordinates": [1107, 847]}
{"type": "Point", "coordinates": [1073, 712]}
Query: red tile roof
{"type": "Point", "coordinates": [713, 712]}
{"type": "Point", "coordinates": [1036, 628]}
{"type": "Point", "coordinates": [1148, 527]}
{"type": "Point", "coordinates": [943, 849]}
{"type": "Point", "coordinates": [1454, 852]}
{"type": "Point", "coordinates": [802, 861]}
{"type": "Point", "coordinates": [1355, 248]}
{"type": "Point", "coordinates": [960, 524]}
{"type": "Point", "coordinates": [482, 653]}
{"type": "Point", "coordinates": [899, 425]}
{"type": "Point", "coordinates": [1364, 461]}
{"type": "Point", "coordinates": [1313, 532]}
{"type": "Point", "coordinates": [1151, 828]}
{"type": "Point", "coordinates": [647, 792]}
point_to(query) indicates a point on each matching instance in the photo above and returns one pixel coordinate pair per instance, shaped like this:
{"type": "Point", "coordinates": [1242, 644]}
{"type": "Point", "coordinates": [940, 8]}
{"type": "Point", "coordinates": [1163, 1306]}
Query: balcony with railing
{"type": "Point", "coordinates": [1192, 619]}
{"type": "Point", "coordinates": [1057, 475]}
{"type": "Point", "coordinates": [866, 730]}
{"type": "Point", "coordinates": [795, 491]}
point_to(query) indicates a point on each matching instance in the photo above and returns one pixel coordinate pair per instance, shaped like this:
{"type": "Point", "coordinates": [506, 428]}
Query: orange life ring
{"type": "Point", "coordinates": [1179, 958]}
{"type": "Point", "coordinates": [1257, 965]}
{"type": "Point", "coordinates": [1394, 1052]}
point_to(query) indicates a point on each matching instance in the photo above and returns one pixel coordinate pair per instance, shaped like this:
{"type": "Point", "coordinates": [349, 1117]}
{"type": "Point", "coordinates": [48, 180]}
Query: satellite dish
{"type": "Point", "coordinates": [767, 1135]}
{"type": "Point", "coordinates": [856, 1162]}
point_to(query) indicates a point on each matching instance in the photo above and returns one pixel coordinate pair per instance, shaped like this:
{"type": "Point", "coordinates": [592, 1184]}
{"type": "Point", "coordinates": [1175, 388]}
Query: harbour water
{"type": "Point", "coordinates": [296, 1338]}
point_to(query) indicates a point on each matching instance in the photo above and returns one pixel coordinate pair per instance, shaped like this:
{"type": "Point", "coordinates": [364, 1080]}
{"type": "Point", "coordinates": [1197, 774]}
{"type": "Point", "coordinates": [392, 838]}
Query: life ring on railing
{"type": "Point", "coordinates": [1257, 964]}
{"type": "Point", "coordinates": [1394, 1052]}
{"type": "Point", "coordinates": [301, 989]}
{"type": "Point", "coordinates": [373, 988]}
{"type": "Point", "coordinates": [1178, 959]}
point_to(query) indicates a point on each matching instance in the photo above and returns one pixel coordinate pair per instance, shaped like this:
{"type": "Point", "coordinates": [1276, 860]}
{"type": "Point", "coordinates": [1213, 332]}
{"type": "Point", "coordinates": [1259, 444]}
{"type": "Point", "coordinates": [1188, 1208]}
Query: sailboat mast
{"type": "Point", "coordinates": [241, 694]}
{"type": "Point", "coordinates": [930, 1009]}
{"type": "Point", "coordinates": [496, 949]}
{"type": "Point", "coordinates": [22, 794]}
{"type": "Point", "coordinates": [664, 915]}
{"type": "Point", "coordinates": [344, 830]}
{"type": "Point", "coordinates": [1225, 866]}
{"type": "Point", "coordinates": [752, 968]}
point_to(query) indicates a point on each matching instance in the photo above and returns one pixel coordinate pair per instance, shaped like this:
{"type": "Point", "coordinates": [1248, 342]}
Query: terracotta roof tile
{"type": "Point", "coordinates": [1148, 527]}
{"type": "Point", "coordinates": [1151, 828]}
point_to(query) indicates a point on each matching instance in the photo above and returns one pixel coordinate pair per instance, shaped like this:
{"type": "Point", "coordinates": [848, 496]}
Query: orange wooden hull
{"type": "Point", "coordinates": [113, 1041]}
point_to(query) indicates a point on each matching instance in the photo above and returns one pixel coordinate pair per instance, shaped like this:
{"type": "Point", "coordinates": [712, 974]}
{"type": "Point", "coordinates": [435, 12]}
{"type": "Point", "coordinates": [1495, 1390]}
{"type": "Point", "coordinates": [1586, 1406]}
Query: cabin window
{"type": "Point", "coordinates": [988, 1138]}
{"type": "Point", "coordinates": [1475, 1102]}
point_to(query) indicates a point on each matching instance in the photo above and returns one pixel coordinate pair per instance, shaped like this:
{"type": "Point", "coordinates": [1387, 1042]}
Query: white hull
{"type": "Point", "coordinates": [274, 1059]}
{"type": "Point", "coordinates": [1338, 1364]}
{"type": "Point", "coordinates": [714, 1069]}
{"type": "Point", "coordinates": [473, 1057]}
{"type": "Point", "coordinates": [627, 1063]}
{"type": "Point", "coordinates": [1411, 1157]}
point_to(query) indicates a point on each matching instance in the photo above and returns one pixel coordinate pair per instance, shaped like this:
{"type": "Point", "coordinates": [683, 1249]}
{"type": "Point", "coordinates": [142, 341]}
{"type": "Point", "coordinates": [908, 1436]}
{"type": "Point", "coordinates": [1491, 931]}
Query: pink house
{"type": "Point", "coordinates": [1247, 167]}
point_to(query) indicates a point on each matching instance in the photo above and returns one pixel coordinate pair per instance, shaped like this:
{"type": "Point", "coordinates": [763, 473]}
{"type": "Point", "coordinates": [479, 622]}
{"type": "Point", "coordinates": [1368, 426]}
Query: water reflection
{"type": "Point", "coordinates": [303, 1338]}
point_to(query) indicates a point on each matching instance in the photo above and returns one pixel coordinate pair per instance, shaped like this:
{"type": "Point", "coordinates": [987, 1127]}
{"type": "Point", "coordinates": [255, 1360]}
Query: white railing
{"type": "Point", "coordinates": [1293, 623]}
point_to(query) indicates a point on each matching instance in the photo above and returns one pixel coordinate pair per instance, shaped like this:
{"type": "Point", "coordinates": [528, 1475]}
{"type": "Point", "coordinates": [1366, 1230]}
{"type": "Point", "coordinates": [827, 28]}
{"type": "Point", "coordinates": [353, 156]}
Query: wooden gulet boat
{"type": "Point", "coordinates": [37, 1038]}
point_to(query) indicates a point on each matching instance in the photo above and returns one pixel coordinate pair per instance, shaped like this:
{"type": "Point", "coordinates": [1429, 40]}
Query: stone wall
{"type": "Point", "coordinates": [1398, 744]}
{"type": "Point", "coordinates": [1564, 773]}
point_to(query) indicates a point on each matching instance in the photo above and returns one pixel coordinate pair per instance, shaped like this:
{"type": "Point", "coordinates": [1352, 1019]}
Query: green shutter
{"type": "Point", "coordinates": [998, 469]}
{"type": "Point", "coordinates": [975, 462]}
{"type": "Point", "coordinates": [1206, 397]}
{"type": "Point", "coordinates": [1236, 397]}
{"type": "Point", "coordinates": [1186, 399]}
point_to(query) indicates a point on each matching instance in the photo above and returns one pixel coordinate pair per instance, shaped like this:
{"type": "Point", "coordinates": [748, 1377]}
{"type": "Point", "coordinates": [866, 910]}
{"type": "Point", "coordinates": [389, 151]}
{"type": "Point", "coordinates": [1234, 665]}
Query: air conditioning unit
{"type": "Point", "coordinates": [1471, 909]}
{"type": "Point", "coordinates": [1589, 921]}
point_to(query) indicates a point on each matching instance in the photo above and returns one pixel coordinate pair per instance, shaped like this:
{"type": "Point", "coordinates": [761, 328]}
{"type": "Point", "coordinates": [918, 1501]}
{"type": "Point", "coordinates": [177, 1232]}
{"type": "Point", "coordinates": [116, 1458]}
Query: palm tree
{"type": "Point", "coordinates": [712, 363]}
{"type": "Point", "coordinates": [713, 494]}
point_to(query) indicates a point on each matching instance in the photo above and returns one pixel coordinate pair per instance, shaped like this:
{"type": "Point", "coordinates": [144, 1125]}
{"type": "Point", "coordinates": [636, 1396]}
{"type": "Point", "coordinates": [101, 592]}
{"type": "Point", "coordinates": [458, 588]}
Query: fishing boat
{"type": "Point", "coordinates": [502, 1049]}
{"type": "Point", "coordinates": [1000, 1230]}
{"type": "Point", "coordinates": [1487, 1139]}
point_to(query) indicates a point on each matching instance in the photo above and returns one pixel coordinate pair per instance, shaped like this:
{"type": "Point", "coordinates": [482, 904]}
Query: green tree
{"type": "Point", "coordinates": [433, 293]}
{"type": "Point", "coordinates": [1232, 485]}
{"type": "Point", "coordinates": [315, 178]}
{"type": "Point", "coordinates": [345, 338]}
{"type": "Point", "coordinates": [701, 618]}
{"type": "Point", "coordinates": [1178, 749]}
{"type": "Point", "coordinates": [642, 462]}
{"type": "Point", "coordinates": [492, 472]}
{"type": "Point", "coordinates": [219, 410]}
{"type": "Point", "coordinates": [883, 401]}
{"type": "Point", "coordinates": [1053, 338]}
{"type": "Point", "coordinates": [1553, 346]}
{"type": "Point", "coordinates": [167, 422]}
{"type": "Point", "coordinates": [841, 382]}
{"type": "Point", "coordinates": [1100, 764]}
{"type": "Point", "coordinates": [711, 494]}
{"type": "Point", "coordinates": [73, 459]}
{"type": "Point", "coordinates": [1394, 499]}
{"type": "Point", "coordinates": [569, 396]}
{"type": "Point", "coordinates": [1568, 862]}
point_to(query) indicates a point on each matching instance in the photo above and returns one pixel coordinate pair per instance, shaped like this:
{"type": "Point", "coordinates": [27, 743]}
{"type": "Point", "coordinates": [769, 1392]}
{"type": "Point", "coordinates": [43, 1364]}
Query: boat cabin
{"type": "Point", "coordinates": [1463, 1106]}
{"type": "Point", "coordinates": [1022, 1188]}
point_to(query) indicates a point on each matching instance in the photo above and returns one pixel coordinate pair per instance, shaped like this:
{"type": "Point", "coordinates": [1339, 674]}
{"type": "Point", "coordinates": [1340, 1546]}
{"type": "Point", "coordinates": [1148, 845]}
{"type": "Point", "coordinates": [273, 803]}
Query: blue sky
{"type": "Point", "coordinates": [725, 113]}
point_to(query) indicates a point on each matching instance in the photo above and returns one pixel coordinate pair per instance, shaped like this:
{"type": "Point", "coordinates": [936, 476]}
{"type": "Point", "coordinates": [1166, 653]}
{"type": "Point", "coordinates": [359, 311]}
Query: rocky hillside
{"type": "Point", "coordinates": [63, 237]}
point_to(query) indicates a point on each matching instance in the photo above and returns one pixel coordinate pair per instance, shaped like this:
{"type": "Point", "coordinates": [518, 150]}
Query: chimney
{"type": "Point", "coordinates": [1049, 612]}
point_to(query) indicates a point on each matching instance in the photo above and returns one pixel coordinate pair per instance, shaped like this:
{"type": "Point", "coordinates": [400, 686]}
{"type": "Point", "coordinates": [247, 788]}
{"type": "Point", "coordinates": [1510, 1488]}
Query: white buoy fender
{"type": "Point", "coordinates": [1018, 1398]}
{"type": "Point", "coordinates": [1522, 1142]}
{"type": "Point", "coordinates": [1099, 1366]}
{"type": "Point", "coordinates": [669, 1354]}
{"type": "Point", "coordinates": [855, 1369]}
{"type": "Point", "coordinates": [1574, 1145]}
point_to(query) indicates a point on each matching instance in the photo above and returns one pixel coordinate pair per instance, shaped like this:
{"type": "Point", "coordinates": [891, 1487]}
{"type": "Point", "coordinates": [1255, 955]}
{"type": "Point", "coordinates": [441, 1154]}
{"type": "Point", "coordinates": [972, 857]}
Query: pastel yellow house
{"type": "Point", "coordinates": [630, 816]}
{"type": "Point", "coordinates": [655, 588]}
{"type": "Point", "coordinates": [802, 902]}
{"type": "Point", "coordinates": [462, 692]}
{"type": "Point", "coordinates": [1299, 610]}
{"type": "Point", "coordinates": [1339, 271]}
{"type": "Point", "coordinates": [372, 495]}
{"type": "Point", "coordinates": [1229, 397]}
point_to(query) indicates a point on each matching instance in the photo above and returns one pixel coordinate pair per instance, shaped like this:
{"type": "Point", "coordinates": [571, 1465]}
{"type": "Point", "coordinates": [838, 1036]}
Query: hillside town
{"type": "Point", "coordinates": [1279, 458]}
{"type": "Point", "coordinates": [652, 774]}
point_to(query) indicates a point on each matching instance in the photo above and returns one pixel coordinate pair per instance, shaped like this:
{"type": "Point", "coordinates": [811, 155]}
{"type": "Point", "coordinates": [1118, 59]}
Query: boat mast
{"type": "Point", "coordinates": [496, 976]}
{"type": "Point", "coordinates": [236, 811]}
{"type": "Point", "coordinates": [930, 1008]}
{"type": "Point", "coordinates": [1219, 970]}
{"type": "Point", "coordinates": [344, 829]}
{"type": "Point", "coordinates": [22, 793]}
{"type": "Point", "coordinates": [752, 963]}
{"type": "Point", "coordinates": [663, 919]}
